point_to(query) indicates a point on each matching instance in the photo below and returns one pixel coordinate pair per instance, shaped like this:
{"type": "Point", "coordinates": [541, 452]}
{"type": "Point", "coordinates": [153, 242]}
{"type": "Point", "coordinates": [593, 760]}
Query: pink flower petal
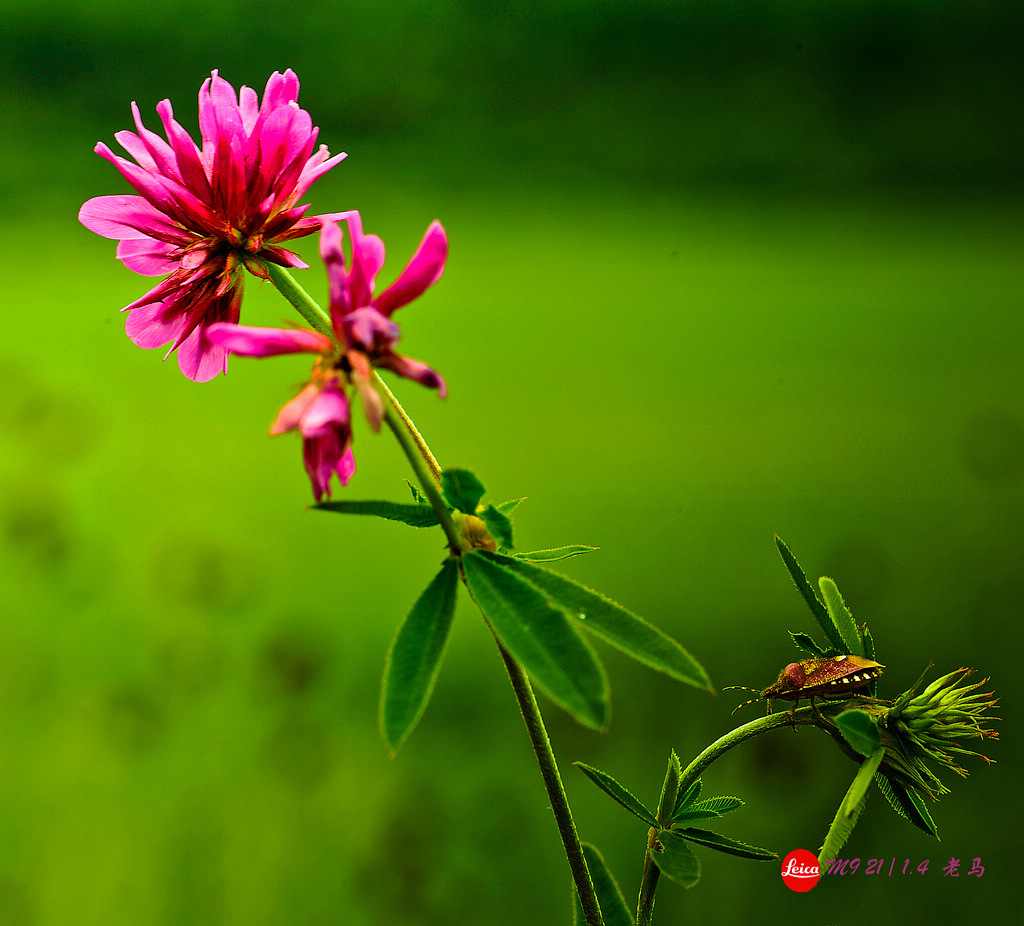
{"type": "Point", "coordinates": [367, 259]}
{"type": "Point", "coordinates": [415, 370]}
{"type": "Point", "coordinates": [199, 360]}
{"type": "Point", "coordinates": [128, 217]}
{"type": "Point", "coordinates": [147, 256]}
{"type": "Point", "coordinates": [326, 456]}
{"type": "Point", "coordinates": [154, 325]}
{"type": "Point", "coordinates": [289, 417]}
{"type": "Point", "coordinates": [327, 411]}
{"type": "Point", "coordinates": [337, 278]}
{"type": "Point", "coordinates": [424, 270]}
{"type": "Point", "coordinates": [248, 341]}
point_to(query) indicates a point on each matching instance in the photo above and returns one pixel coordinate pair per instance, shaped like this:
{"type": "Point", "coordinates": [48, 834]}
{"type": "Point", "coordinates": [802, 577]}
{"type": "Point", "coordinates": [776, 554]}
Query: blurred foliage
{"type": "Point", "coordinates": [796, 95]}
{"type": "Point", "coordinates": [717, 269]}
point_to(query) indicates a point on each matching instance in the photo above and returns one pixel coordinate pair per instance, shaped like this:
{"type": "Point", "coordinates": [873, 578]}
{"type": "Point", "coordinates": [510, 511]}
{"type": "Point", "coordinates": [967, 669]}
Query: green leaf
{"type": "Point", "coordinates": [614, 910]}
{"type": "Point", "coordinates": [869, 652]}
{"type": "Point", "coordinates": [907, 803]}
{"type": "Point", "coordinates": [414, 515]}
{"type": "Point", "coordinates": [614, 624]}
{"type": "Point", "coordinates": [861, 781]}
{"type": "Point", "coordinates": [850, 809]}
{"type": "Point", "coordinates": [415, 657]}
{"type": "Point", "coordinates": [707, 810]}
{"type": "Point", "coordinates": [685, 799]}
{"type": "Point", "coordinates": [868, 641]}
{"type": "Point", "coordinates": [511, 505]}
{"type": "Point", "coordinates": [615, 791]}
{"type": "Point", "coordinates": [809, 596]}
{"type": "Point", "coordinates": [859, 730]}
{"type": "Point", "coordinates": [539, 636]}
{"type": "Point", "coordinates": [805, 644]}
{"type": "Point", "coordinates": [417, 495]}
{"type": "Point", "coordinates": [676, 860]}
{"type": "Point", "coordinates": [841, 617]}
{"type": "Point", "coordinates": [725, 844]}
{"type": "Point", "coordinates": [462, 489]}
{"type": "Point", "coordinates": [556, 553]}
{"type": "Point", "coordinates": [499, 526]}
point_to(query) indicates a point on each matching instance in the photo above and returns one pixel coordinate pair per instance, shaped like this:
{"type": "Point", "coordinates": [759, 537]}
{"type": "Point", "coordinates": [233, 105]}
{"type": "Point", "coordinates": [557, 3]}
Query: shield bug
{"type": "Point", "coordinates": [831, 678]}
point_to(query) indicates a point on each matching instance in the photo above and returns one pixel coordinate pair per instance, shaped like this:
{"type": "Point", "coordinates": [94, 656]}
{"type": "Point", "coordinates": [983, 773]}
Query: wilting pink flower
{"type": "Point", "coordinates": [204, 214]}
{"type": "Point", "coordinates": [364, 336]}
{"type": "Point", "coordinates": [320, 412]}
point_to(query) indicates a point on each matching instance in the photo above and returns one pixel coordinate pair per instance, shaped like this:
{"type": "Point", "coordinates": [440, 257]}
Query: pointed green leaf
{"type": "Point", "coordinates": [907, 803]}
{"type": "Point", "coordinates": [707, 810]}
{"type": "Point", "coordinates": [850, 809]}
{"type": "Point", "coordinates": [862, 780]}
{"type": "Point", "coordinates": [539, 636]}
{"type": "Point", "coordinates": [417, 495]}
{"type": "Point", "coordinates": [676, 860]}
{"type": "Point", "coordinates": [841, 617]}
{"type": "Point", "coordinates": [614, 624]}
{"type": "Point", "coordinates": [859, 730]}
{"type": "Point", "coordinates": [414, 515]}
{"type": "Point", "coordinates": [614, 910]}
{"type": "Point", "coordinates": [618, 793]}
{"type": "Point", "coordinates": [686, 798]}
{"type": "Point", "coordinates": [499, 526]}
{"type": "Point", "coordinates": [511, 505]}
{"type": "Point", "coordinates": [461, 489]}
{"type": "Point", "coordinates": [556, 553]}
{"type": "Point", "coordinates": [725, 844]}
{"type": "Point", "coordinates": [808, 594]}
{"type": "Point", "coordinates": [615, 791]}
{"type": "Point", "coordinates": [869, 652]}
{"type": "Point", "coordinates": [868, 641]}
{"type": "Point", "coordinates": [805, 644]}
{"type": "Point", "coordinates": [415, 656]}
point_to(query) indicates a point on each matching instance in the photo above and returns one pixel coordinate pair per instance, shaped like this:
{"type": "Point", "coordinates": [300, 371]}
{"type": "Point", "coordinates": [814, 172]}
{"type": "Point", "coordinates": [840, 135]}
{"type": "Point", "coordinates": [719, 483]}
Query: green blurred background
{"type": "Point", "coordinates": [717, 270]}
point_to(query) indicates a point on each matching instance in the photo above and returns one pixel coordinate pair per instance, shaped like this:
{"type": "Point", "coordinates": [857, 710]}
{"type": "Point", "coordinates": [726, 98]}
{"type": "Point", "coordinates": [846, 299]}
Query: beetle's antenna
{"type": "Point", "coordinates": [743, 688]}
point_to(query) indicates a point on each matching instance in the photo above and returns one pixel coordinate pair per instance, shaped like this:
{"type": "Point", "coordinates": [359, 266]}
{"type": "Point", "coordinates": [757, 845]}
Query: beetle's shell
{"type": "Point", "coordinates": [831, 677]}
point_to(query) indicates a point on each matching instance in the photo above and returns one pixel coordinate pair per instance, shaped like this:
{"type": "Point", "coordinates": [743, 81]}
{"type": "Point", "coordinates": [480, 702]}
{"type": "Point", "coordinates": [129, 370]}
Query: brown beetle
{"type": "Point", "coordinates": [831, 678]}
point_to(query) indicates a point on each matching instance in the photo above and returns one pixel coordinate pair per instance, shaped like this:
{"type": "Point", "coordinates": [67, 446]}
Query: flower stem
{"type": "Point", "coordinates": [430, 489]}
{"type": "Point", "coordinates": [417, 438]}
{"type": "Point", "coordinates": [720, 747]}
{"type": "Point", "coordinates": [553, 784]}
{"type": "Point", "coordinates": [428, 474]}
{"type": "Point", "coordinates": [649, 879]}
{"type": "Point", "coordinates": [299, 298]}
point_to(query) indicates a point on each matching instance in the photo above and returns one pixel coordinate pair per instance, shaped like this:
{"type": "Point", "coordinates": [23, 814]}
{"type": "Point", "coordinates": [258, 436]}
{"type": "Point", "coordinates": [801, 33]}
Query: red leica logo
{"type": "Point", "coordinates": [800, 870]}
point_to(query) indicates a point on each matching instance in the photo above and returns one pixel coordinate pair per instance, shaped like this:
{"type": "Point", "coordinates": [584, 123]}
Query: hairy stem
{"type": "Point", "coordinates": [553, 784]}
{"type": "Point", "coordinates": [720, 747]}
{"type": "Point", "coordinates": [410, 428]}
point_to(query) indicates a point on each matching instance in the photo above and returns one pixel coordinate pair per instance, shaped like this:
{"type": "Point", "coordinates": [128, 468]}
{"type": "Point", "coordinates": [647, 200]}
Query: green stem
{"type": "Point", "coordinates": [651, 872]}
{"type": "Point", "coordinates": [553, 784]}
{"type": "Point", "coordinates": [299, 298]}
{"type": "Point", "coordinates": [720, 747]}
{"type": "Point", "coordinates": [417, 438]}
{"type": "Point", "coordinates": [428, 474]}
{"type": "Point", "coordinates": [400, 427]}
{"type": "Point", "coordinates": [649, 879]}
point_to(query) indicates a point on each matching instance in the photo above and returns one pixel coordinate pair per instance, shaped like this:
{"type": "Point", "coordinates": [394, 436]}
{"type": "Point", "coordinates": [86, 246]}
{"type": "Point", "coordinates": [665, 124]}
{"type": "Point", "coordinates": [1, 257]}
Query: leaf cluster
{"type": "Point", "coordinates": [673, 824]}
{"type": "Point", "coordinates": [544, 620]}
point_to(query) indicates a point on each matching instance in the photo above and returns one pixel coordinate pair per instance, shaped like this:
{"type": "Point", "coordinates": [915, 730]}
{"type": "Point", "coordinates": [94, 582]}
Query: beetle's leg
{"type": "Point", "coordinates": [816, 711]}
